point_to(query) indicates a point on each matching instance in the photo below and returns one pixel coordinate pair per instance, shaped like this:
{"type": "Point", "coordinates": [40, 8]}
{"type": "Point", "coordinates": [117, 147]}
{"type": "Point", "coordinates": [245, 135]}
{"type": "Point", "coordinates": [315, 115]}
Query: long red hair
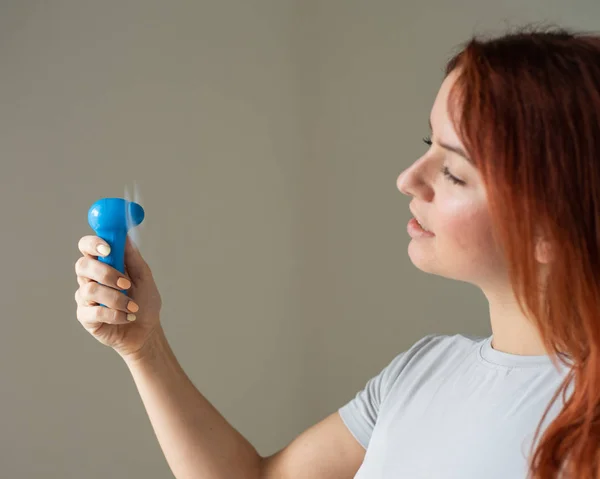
{"type": "Point", "coordinates": [527, 107]}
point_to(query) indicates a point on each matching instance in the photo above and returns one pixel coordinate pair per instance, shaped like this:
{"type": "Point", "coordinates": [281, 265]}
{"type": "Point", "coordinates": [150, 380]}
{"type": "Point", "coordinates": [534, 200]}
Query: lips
{"type": "Point", "coordinates": [421, 225]}
{"type": "Point", "coordinates": [417, 217]}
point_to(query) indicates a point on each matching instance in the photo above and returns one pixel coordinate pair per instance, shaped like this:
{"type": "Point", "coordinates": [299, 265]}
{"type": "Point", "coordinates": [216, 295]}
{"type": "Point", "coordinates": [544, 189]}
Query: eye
{"type": "Point", "coordinates": [445, 170]}
{"type": "Point", "coordinates": [450, 177]}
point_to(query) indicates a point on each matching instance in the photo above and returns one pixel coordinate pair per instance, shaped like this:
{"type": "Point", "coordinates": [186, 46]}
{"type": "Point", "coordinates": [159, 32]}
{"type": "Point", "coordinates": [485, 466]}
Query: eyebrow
{"type": "Point", "coordinates": [455, 149]}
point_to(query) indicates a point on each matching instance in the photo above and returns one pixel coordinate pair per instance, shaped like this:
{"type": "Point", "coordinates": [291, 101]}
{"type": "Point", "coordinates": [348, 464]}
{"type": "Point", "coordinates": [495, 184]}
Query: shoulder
{"type": "Point", "coordinates": [436, 344]}
{"type": "Point", "coordinates": [432, 352]}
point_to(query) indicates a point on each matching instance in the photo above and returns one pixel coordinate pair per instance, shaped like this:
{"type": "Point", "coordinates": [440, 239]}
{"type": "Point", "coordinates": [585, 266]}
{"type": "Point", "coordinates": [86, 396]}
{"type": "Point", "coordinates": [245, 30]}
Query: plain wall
{"type": "Point", "coordinates": [266, 138]}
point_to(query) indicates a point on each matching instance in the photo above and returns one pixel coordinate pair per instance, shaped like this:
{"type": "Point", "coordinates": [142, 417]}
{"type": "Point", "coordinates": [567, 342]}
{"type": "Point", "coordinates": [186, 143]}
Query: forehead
{"type": "Point", "coordinates": [440, 119]}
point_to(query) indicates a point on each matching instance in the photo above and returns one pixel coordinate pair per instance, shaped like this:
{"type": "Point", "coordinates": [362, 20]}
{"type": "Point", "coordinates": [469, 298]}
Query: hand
{"type": "Point", "coordinates": [100, 283]}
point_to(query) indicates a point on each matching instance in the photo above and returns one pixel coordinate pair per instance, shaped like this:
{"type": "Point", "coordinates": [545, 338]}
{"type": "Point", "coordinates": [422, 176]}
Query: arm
{"type": "Point", "coordinates": [196, 440]}
{"type": "Point", "coordinates": [199, 443]}
{"type": "Point", "coordinates": [326, 450]}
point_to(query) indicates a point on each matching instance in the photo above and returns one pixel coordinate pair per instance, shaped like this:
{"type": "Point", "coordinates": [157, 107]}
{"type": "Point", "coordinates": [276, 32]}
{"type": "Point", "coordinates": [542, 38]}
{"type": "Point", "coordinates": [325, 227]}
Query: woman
{"type": "Point", "coordinates": [509, 192]}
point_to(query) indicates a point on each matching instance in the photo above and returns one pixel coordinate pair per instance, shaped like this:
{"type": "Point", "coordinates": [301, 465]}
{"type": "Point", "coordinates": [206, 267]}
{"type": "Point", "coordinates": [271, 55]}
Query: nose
{"type": "Point", "coordinates": [409, 182]}
{"type": "Point", "coordinates": [413, 180]}
{"type": "Point", "coordinates": [401, 183]}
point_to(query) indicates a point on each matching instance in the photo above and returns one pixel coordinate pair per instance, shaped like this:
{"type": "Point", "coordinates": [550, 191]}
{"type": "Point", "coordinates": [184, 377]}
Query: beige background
{"type": "Point", "coordinates": [266, 138]}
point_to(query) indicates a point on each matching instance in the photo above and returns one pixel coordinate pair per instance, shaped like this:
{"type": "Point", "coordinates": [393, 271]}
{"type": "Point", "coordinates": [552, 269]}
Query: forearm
{"type": "Point", "coordinates": [195, 438]}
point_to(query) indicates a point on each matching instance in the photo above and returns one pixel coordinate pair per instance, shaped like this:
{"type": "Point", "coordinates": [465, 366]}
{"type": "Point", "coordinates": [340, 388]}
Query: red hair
{"type": "Point", "coordinates": [526, 105]}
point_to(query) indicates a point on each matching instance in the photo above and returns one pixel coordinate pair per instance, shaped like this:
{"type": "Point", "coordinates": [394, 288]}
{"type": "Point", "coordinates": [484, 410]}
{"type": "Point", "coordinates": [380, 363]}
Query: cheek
{"type": "Point", "coordinates": [466, 228]}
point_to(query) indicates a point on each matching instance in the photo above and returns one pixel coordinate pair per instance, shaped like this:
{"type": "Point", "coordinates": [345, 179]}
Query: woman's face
{"type": "Point", "coordinates": [463, 247]}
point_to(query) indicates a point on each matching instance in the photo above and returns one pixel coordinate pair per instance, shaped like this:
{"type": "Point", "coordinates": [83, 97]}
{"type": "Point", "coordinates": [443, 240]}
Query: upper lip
{"type": "Point", "coordinates": [418, 218]}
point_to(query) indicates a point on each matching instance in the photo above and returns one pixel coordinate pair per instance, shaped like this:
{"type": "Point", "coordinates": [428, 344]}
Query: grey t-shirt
{"type": "Point", "coordinates": [453, 407]}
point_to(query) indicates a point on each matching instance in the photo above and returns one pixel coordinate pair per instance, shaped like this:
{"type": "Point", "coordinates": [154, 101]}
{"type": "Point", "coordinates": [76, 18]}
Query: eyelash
{"type": "Point", "coordinates": [445, 169]}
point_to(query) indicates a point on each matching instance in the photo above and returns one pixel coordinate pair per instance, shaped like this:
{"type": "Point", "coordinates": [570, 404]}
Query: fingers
{"type": "Point", "coordinates": [92, 315]}
{"type": "Point", "coordinates": [135, 265]}
{"type": "Point", "coordinates": [80, 301]}
{"type": "Point", "coordinates": [99, 284]}
{"type": "Point", "coordinates": [88, 245]}
{"type": "Point", "coordinates": [89, 268]}
{"type": "Point", "coordinates": [93, 292]}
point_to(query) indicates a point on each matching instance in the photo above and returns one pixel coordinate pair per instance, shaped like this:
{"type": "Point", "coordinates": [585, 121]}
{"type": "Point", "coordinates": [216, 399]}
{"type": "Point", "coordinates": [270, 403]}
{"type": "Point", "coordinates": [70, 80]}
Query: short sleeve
{"type": "Point", "coordinates": [361, 413]}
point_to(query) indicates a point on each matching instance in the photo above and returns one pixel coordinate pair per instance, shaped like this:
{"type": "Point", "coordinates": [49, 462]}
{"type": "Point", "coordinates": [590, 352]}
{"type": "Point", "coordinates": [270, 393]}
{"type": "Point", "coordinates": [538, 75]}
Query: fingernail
{"type": "Point", "coordinates": [131, 317]}
{"type": "Point", "coordinates": [123, 283]}
{"type": "Point", "coordinates": [131, 306]}
{"type": "Point", "coordinates": [103, 249]}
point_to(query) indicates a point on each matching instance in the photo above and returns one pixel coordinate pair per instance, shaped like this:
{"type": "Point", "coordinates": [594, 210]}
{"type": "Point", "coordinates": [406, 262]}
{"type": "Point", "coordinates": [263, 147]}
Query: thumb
{"type": "Point", "coordinates": [136, 266]}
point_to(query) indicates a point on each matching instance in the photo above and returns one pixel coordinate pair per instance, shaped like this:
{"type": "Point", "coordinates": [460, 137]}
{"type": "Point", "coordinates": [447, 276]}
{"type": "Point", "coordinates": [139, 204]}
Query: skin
{"type": "Point", "coordinates": [463, 247]}
{"type": "Point", "coordinates": [196, 439]}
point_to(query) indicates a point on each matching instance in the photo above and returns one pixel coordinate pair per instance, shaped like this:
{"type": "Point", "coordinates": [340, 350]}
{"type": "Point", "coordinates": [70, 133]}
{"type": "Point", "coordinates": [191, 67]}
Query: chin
{"type": "Point", "coordinates": [425, 258]}
{"type": "Point", "coordinates": [422, 256]}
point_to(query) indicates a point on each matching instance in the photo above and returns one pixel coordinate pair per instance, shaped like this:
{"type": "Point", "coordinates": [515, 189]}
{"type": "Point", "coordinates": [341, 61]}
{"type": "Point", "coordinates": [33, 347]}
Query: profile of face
{"type": "Point", "coordinates": [449, 199]}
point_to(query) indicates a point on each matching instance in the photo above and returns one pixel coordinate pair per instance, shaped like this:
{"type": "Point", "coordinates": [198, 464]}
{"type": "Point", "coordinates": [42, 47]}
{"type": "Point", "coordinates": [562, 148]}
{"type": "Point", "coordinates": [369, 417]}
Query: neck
{"type": "Point", "coordinates": [512, 331]}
